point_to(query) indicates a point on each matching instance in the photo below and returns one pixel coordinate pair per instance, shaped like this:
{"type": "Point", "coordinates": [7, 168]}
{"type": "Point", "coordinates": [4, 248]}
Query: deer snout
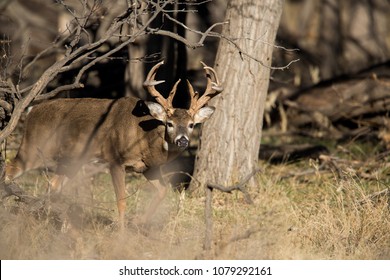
{"type": "Point", "coordinates": [182, 141]}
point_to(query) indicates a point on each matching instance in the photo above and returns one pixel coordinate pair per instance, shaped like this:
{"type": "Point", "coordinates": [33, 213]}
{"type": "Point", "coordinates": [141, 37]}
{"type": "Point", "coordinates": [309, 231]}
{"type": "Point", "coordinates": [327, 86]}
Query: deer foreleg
{"type": "Point", "coordinates": [161, 191]}
{"type": "Point", "coordinates": [118, 179]}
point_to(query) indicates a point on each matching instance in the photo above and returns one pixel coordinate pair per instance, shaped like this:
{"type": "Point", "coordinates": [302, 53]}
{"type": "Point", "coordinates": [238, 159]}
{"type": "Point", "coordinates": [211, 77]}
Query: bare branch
{"type": "Point", "coordinates": [40, 85]}
{"type": "Point", "coordinates": [52, 48]}
{"type": "Point", "coordinates": [210, 33]}
{"type": "Point", "coordinates": [6, 106]}
{"type": "Point", "coordinates": [76, 83]}
{"type": "Point", "coordinates": [246, 54]}
{"type": "Point", "coordinates": [240, 186]}
{"type": "Point", "coordinates": [209, 208]}
{"type": "Point", "coordinates": [204, 35]}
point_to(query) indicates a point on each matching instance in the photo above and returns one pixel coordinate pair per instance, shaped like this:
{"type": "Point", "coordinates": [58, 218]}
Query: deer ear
{"type": "Point", "coordinates": [203, 114]}
{"type": "Point", "coordinates": [157, 111]}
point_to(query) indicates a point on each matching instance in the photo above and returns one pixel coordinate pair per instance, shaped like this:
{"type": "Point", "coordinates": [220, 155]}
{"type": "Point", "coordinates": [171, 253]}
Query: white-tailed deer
{"type": "Point", "coordinates": [128, 134]}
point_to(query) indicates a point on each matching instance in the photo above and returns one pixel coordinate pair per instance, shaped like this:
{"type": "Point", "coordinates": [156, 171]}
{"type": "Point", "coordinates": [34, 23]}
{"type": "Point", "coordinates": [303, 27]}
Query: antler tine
{"type": "Point", "coordinates": [212, 89]}
{"type": "Point", "coordinates": [150, 84]}
{"type": "Point", "coordinates": [210, 84]}
{"type": "Point", "coordinates": [194, 98]}
{"type": "Point", "coordinates": [193, 93]}
{"type": "Point", "coordinates": [214, 85]}
{"type": "Point", "coordinates": [172, 94]}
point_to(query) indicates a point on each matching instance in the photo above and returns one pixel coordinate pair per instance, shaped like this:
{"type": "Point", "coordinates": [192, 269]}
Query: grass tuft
{"type": "Point", "coordinates": [324, 214]}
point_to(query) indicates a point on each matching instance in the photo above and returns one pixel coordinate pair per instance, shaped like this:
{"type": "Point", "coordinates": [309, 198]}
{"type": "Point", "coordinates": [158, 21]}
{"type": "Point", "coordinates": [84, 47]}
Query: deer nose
{"type": "Point", "coordinates": [182, 142]}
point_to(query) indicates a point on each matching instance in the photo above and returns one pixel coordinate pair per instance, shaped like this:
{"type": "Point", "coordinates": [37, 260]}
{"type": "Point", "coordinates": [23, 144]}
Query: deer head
{"type": "Point", "coordinates": [179, 123]}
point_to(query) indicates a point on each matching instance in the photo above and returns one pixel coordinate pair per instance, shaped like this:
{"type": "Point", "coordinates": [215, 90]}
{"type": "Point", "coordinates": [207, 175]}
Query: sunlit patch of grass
{"type": "Point", "coordinates": [344, 223]}
{"type": "Point", "coordinates": [321, 214]}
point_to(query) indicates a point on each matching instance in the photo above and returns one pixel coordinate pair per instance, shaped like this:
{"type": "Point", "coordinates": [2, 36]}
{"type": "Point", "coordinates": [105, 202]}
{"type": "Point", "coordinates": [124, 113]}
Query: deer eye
{"type": "Point", "coordinates": [169, 124]}
{"type": "Point", "coordinates": [191, 125]}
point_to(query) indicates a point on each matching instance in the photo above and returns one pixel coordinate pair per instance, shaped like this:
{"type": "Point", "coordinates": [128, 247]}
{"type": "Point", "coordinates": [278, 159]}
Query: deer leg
{"type": "Point", "coordinates": [63, 173]}
{"type": "Point", "coordinates": [118, 174]}
{"type": "Point", "coordinates": [13, 170]}
{"type": "Point", "coordinates": [56, 183]}
{"type": "Point", "coordinates": [158, 197]}
{"type": "Point", "coordinates": [160, 194]}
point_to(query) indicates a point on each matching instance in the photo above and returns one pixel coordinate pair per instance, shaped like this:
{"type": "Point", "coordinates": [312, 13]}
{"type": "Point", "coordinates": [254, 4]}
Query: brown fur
{"type": "Point", "coordinates": [63, 134]}
{"type": "Point", "coordinates": [126, 134]}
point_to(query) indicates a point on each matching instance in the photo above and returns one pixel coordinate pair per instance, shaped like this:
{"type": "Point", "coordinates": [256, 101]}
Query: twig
{"type": "Point", "coordinates": [244, 53]}
{"type": "Point", "coordinates": [209, 204]}
{"type": "Point", "coordinates": [204, 35]}
{"type": "Point", "coordinates": [242, 236]}
{"type": "Point", "coordinates": [208, 219]}
{"type": "Point", "coordinates": [59, 41]}
{"type": "Point", "coordinates": [311, 171]}
{"type": "Point", "coordinates": [70, 55]}
{"type": "Point", "coordinates": [375, 196]}
{"type": "Point", "coordinates": [14, 190]}
{"type": "Point", "coordinates": [240, 186]}
{"type": "Point", "coordinates": [6, 106]}
{"type": "Point", "coordinates": [92, 47]}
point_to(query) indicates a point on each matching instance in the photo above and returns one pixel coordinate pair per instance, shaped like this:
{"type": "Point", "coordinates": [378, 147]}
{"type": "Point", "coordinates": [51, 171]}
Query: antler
{"type": "Point", "coordinates": [212, 89]}
{"type": "Point", "coordinates": [150, 84]}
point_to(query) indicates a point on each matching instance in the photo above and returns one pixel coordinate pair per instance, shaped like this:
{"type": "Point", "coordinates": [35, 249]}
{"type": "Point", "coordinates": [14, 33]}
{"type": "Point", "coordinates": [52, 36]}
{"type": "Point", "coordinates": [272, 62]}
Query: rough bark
{"type": "Point", "coordinates": [231, 139]}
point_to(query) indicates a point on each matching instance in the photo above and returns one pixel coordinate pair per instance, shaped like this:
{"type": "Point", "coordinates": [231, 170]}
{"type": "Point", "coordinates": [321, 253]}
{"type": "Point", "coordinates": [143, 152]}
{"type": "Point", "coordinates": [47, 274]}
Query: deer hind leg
{"type": "Point", "coordinates": [56, 183]}
{"type": "Point", "coordinates": [64, 171]}
{"type": "Point", "coordinates": [13, 170]}
{"type": "Point", "coordinates": [118, 174]}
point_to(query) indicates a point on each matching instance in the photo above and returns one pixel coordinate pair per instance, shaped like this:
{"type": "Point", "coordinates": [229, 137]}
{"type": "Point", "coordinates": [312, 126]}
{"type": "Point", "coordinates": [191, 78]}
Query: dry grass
{"type": "Point", "coordinates": [317, 216]}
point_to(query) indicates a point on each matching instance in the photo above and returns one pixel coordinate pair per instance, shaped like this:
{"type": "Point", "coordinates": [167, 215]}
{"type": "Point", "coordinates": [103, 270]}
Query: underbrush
{"type": "Point", "coordinates": [335, 208]}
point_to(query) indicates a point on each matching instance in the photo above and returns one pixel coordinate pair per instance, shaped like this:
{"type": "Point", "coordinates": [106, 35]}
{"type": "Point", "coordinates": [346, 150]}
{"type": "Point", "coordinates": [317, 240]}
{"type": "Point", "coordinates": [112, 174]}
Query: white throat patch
{"type": "Point", "coordinates": [166, 146]}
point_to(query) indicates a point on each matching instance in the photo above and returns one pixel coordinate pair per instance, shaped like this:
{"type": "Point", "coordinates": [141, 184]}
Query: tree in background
{"type": "Point", "coordinates": [231, 140]}
{"type": "Point", "coordinates": [340, 88]}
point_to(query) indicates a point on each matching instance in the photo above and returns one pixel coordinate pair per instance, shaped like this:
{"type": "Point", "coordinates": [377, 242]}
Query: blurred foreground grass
{"type": "Point", "coordinates": [311, 209]}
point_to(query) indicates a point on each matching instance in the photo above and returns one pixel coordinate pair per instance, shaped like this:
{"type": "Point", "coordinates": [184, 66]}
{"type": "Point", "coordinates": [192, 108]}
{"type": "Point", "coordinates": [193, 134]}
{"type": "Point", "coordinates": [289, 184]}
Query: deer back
{"type": "Point", "coordinates": [74, 130]}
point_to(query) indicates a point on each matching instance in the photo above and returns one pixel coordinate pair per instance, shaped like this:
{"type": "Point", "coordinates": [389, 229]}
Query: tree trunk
{"type": "Point", "coordinates": [231, 139]}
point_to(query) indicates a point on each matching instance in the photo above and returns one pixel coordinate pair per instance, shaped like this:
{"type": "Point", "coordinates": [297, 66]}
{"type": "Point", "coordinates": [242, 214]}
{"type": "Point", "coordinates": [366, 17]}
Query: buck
{"type": "Point", "coordinates": [127, 134]}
